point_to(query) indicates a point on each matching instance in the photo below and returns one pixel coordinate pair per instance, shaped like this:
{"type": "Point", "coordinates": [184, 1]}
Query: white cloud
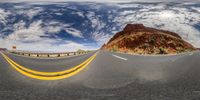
{"type": "Point", "coordinates": [59, 14]}
{"type": "Point", "coordinates": [20, 25]}
{"type": "Point", "coordinates": [53, 29]}
{"type": "Point", "coordinates": [74, 32]}
{"type": "Point", "coordinates": [101, 38]}
{"type": "Point", "coordinates": [93, 19]}
{"type": "Point", "coordinates": [32, 33]}
{"type": "Point", "coordinates": [56, 27]}
{"type": "Point", "coordinates": [80, 14]}
{"type": "Point", "coordinates": [32, 12]}
{"type": "Point", "coordinates": [196, 8]}
{"type": "Point", "coordinates": [22, 10]}
{"type": "Point", "coordinates": [3, 15]}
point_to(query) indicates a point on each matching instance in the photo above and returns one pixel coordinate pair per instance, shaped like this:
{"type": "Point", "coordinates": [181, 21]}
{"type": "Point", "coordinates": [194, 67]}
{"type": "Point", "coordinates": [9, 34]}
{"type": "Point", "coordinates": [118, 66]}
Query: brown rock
{"type": "Point", "coordinates": [138, 39]}
{"type": "Point", "coordinates": [132, 27]}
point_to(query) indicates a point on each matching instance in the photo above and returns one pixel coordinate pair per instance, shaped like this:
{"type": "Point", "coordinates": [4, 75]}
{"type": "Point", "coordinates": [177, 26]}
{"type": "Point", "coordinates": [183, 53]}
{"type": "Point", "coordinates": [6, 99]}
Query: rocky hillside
{"type": "Point", "coordinates": [138, 39]}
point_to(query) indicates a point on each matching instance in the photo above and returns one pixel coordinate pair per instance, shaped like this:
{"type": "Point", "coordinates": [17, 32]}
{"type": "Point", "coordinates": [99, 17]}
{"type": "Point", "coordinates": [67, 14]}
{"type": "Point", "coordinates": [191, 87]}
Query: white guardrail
{"type": "Point", "coordinates": [47, 55]}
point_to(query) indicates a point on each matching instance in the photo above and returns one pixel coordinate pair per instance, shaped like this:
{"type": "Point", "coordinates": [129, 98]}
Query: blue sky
{"type": "Point", "coordinates": [70, 26]}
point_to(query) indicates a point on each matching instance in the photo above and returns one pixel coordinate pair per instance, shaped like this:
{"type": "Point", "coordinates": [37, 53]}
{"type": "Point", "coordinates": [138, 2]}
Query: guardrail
{"type": "Point", "coordinates": [48, 55]}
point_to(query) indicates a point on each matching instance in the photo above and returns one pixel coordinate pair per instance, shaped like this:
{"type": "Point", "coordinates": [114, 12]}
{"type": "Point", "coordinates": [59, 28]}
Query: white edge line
{"type": "Point", "coordinates": [119, 57]}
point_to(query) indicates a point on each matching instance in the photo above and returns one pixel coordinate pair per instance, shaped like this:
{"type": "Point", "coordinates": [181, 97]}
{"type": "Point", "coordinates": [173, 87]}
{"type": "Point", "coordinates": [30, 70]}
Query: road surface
{"type": "Point", "coordinates": [109, 76]}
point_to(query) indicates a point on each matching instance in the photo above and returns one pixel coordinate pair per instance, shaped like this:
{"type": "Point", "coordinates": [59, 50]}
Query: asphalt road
{"type": "Point", "coordinates": [51, 64]}
{"type": "Point", "coordinates": [110, 76]}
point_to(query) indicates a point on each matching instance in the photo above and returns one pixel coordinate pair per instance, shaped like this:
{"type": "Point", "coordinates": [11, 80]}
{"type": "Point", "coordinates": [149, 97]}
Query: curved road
{"type": "Point", "coordinates": [49, 65]}
{"type": "Point", "coordinates": [110, 76]}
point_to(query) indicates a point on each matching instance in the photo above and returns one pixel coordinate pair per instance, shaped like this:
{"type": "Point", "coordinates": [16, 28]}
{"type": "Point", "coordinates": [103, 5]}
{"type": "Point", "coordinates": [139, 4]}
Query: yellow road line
{"type": "Point", "coordinates": [44, 75]}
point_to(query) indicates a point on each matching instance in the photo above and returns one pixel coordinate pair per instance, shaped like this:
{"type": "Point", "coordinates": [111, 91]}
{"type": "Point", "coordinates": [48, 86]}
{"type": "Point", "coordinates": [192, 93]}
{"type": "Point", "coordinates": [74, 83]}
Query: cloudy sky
{"type": "Point", "coordinates": [70, 26]}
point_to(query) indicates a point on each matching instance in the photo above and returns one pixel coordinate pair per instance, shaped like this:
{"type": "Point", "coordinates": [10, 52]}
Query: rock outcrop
{"type": "Point", "coordinates": [138, 39]}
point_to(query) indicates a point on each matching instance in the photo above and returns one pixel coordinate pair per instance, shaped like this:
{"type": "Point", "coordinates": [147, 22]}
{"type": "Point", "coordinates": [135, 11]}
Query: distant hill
{"type": "Point", "coordinates": [80, 50]}
{"type": "Point", "coordinates": [138, 39]}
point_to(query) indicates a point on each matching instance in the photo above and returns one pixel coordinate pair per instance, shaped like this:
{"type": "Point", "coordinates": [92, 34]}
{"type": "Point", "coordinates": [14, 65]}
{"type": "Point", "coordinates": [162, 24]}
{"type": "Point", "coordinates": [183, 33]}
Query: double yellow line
{"type": "Point", "coordinates": [48, 75]}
